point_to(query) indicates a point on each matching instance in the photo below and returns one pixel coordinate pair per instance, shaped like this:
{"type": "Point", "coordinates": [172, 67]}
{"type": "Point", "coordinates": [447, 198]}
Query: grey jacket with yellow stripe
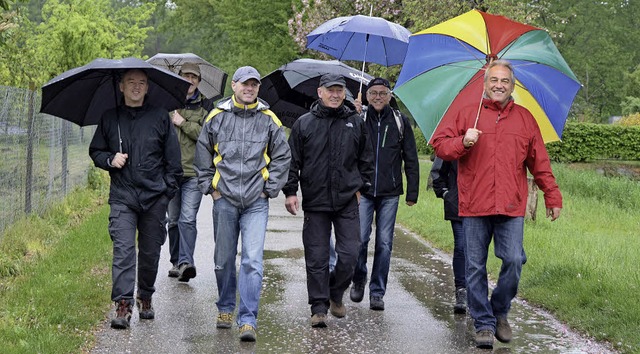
{"type": "Point", "coordinates": [242, 152]}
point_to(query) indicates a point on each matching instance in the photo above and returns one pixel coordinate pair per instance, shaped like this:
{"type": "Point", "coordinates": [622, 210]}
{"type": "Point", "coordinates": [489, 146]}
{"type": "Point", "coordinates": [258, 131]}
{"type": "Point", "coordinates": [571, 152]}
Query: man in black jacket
{"type": "Point", "coordinates": [332, 159]}
{"type": "Point", "coordinates": [393, 145]}
{"type": "Point", "coordinates": [137, 144]}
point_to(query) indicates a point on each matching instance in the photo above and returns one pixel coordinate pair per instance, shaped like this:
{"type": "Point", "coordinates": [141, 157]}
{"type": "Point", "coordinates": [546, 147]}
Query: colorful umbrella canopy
{"type": "Point", "coordinates": [213, 79]}
{"type": "Point", "coordinates": [444, 70]}
{"type": "Point", "coordinates": [361, 38]}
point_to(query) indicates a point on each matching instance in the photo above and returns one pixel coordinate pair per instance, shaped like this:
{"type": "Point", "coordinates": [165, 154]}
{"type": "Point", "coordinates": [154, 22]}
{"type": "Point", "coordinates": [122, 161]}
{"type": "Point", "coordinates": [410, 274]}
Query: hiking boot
{"type": "Point", "coordinates": [174, 272]}
{"type": "Point", "coordinates": [145, 309]}
{"type": "Point", "coordinates": [503, 330]}
{"type": "Point", "coordinates": [247, 333]}
{"type": "Point", "coordinates": [357, 291]}
{"type": "Point", "coordinates": [461, 301]}
{"type": "Point", "coordinates": [225, 320]}
{"type": "Point", "coordinates": [337, 309]}
{"type": "Point", "coordinates": [319, 320]}
{"type": "Point", "coordinates": [123, 315]}
{"type": "Point", "coordinates": [376, 303]}
{"type": "Point", "coordinates": [484, 339]}
{"type": "Point", "coordinates": [187, 271]}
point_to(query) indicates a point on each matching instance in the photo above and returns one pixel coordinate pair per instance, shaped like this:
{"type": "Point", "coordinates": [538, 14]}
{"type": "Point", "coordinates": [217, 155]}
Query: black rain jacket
{"type": "Point", "coordinates": [445, 184]}
{"type": "Point", "coordinates": [331, 158]}
{"type": "Point", "coordinates": [153, 167]}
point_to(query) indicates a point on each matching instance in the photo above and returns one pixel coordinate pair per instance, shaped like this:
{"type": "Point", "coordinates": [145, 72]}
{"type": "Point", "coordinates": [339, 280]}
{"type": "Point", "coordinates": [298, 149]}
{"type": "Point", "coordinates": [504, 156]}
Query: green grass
{"type": "Point", "coordinates": [55, 277]}
{"type": "Point", "coordinates": [583, 267]}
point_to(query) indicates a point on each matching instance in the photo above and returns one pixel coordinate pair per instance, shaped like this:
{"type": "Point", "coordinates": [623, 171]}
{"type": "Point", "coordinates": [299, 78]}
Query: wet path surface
{"type": "Point", "coordinates": [418, 316]}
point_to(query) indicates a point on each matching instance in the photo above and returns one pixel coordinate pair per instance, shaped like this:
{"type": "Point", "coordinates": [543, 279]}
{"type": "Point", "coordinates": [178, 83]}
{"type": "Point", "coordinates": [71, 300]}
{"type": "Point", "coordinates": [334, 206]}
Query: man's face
{"type": "Point", "coordinates": [498, 85]}
{"type": "Point", "coordinates": [246, 92]}
{"type": "Point", "coordinates": [378, 97]}
{"type": "Point", "coordinates": [332, 96]}
{"type": "Point", "coordinates": [134, 86]}
{"type": "Point", "coordinates": [194, 80]}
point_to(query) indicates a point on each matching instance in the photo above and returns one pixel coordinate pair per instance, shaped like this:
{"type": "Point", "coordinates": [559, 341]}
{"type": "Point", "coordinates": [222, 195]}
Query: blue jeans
{"type": "Point", "coordinates": [182, 212]}
{"type": "Point", "coordinates": [507, 235]}
{"type": "Point", "coordinates": [229, 222]}
{"type": "Point", "coordinates": [385, 209]}
{"type": "Point", "coordinates": [458, 263]}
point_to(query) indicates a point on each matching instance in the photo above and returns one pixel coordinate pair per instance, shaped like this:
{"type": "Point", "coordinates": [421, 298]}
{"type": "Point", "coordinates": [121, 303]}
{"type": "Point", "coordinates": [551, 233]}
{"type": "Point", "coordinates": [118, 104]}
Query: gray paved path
{"type": "Point", "coordinates": [418, 316]}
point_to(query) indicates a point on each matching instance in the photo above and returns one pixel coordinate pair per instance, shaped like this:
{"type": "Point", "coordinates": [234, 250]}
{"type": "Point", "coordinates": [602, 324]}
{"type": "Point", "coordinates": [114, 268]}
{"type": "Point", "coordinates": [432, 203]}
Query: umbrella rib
{"type": "Point", "coordinates": [467, 49]}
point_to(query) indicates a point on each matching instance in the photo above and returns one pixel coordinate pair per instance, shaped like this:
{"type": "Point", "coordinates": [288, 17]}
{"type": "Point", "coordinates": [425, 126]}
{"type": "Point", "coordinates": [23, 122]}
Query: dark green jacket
{"type": "Point", "coordinates": [194, 113]}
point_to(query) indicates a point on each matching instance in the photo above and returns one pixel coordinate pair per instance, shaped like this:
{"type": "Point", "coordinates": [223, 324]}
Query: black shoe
{"type": "Point", "coordinates": [376, 303]}
{"type": "Point", "coordinates": [145, 309]}
{"type": "Point", "coordinates": [123, 315]}
{"type": "Point", "coordinates": [461, 301]}
{"type": "Point", "coordinates": [357, 291]}
{"type": "Point", "coordinates": [187, 271]}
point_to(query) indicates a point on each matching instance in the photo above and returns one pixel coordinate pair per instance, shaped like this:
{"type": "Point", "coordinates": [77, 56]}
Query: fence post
{"type": "Point", "coordinates": [30, 139]}
{"type": "Point", "coordinates": [65, 155]}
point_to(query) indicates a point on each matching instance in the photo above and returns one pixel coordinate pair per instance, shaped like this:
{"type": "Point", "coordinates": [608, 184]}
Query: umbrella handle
{"type": "Point", "coordinates": [475, 124]}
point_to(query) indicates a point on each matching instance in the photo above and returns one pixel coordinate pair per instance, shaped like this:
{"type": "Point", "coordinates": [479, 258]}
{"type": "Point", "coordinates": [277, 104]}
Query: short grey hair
{"type": "Point", "coordinates": [500, 62]}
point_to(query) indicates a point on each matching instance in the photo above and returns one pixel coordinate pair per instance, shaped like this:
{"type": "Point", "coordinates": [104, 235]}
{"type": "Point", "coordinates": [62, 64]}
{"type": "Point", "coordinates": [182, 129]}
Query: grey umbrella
{"type": "Point", "coordinates": [213, 79]}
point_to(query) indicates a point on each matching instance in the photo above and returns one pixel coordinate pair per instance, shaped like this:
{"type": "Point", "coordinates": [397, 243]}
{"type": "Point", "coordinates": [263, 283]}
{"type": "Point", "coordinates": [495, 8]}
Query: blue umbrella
{"type": "Point", "coordinates": [361, 38]}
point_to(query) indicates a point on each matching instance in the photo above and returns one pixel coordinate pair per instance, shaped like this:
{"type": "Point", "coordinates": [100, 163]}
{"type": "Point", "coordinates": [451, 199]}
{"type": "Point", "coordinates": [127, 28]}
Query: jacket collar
{"type": "Point", "coordinates": [322, 111]}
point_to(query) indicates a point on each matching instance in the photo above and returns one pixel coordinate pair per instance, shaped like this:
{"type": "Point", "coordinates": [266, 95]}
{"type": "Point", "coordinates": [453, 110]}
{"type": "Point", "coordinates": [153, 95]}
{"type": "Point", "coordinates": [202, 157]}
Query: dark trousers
{"type": "Point", "coordinates": [123, 223]}
{"type": "Point", "coordinates": [322, 285]}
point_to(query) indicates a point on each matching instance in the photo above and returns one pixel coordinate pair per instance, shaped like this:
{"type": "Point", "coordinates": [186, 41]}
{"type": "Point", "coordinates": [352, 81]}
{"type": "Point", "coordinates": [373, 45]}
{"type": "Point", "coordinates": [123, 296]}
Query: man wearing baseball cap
{"type": "Point", "coordinates": [332, 161]}
{"type": "Point", "coordinates": [242, 160]}
{"type": "Point", "coordinates": [184, 207]}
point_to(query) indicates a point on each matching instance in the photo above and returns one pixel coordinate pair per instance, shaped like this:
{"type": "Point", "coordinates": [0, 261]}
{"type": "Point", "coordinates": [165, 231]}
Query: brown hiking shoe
{"type": "Point", "coordinates": [503, 330]}
{"type": "Point", "coordinates": [484, 339]}
{"type": "Point", "coordinates": [337, 309]}
{"type": "Point", "coordinates": [123, 315]}
{"type": "Point", "coordinates": [247, 333]}
{"type": "Point", "coordinates": [319, 320]}
{"type": "Point", "coordinates": [145, 309]}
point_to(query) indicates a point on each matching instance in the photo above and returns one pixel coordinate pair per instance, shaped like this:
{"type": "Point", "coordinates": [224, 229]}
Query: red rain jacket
{"type": "Point", "coordinates": [492, 174]}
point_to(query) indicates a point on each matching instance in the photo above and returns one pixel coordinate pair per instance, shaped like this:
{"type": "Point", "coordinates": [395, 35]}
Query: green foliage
{"type": "Point", "coordinates": [421, 143]}
{"type": "Point", "coordinates": [588, 142]}
{"type": "Point", "coordinates": [630, 105]}
{"type": "Point", "coordinates": [630, 120]}
{"type": "Point", "coordinates": [98, 179]}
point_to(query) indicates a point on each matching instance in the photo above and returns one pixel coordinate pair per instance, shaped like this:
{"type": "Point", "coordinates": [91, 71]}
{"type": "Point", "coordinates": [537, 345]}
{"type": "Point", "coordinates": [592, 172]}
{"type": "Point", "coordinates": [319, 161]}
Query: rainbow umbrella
{"type": "Point", "coordinates": [444, 71]}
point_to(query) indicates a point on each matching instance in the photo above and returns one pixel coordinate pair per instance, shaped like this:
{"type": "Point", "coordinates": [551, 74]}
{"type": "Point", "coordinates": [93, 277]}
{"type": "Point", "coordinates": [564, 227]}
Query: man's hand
{"type": "Point", "coordinates": [292, 204]}
{"type": "Point", "coordinates": [119, 160]}
{"type": "Point", "coordinates": [553, 213]}
{"type": "Point", "coordinates": [411, 203]}
{"type": "Point", "coordinates": [358, 197]}
{"type": "Point", "coordinates": [177, 119]}
{"type": "Point", "coordinates": [471, 137]}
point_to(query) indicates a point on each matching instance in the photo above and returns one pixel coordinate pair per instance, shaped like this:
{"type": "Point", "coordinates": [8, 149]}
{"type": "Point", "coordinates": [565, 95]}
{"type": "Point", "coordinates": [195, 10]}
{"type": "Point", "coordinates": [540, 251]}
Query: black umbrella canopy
{"type": "Point", "coordinates": [81, 95]}
{"type": "Point", "coordinates": [291, 89]}
{"type": "Point", "coordinates": [213, 79]}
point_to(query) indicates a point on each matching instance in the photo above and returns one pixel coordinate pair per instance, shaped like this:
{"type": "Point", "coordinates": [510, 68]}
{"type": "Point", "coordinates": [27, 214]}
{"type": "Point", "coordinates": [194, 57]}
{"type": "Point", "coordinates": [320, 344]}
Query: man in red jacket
{"type": "Point", "coordinates": [493, 158]}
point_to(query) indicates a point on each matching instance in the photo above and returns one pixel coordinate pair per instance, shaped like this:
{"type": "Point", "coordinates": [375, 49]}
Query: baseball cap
{"type": "Point", "coordinates": [328, 80]}
{"type": "Point", "coordinates": [245, 73]}
{"type": "Point", "coordinates": [190, 68]}
{"type": "Point", "coordinates": [379, 81]}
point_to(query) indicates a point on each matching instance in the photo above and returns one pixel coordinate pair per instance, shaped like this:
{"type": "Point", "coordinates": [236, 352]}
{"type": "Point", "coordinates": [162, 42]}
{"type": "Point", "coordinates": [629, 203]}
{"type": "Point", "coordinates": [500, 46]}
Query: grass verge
{"type": "Point", "coordinates": [55, 277]}
{"type": "Point", "coordinates": [583, 267]}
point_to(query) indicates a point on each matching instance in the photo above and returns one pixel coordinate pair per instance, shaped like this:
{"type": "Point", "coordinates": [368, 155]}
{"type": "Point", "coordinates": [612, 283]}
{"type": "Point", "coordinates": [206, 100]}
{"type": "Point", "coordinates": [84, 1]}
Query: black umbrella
{"type": "Point", "coordinates": [213, 78]}
{"type": "Point", "coordinates": [81, 95]}
{"type": "Point", "coordinates": [292, 88]}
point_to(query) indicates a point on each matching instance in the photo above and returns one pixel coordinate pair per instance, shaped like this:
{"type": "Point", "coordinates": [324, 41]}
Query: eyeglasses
{"type": "Point", "coordinates": [382, 94]}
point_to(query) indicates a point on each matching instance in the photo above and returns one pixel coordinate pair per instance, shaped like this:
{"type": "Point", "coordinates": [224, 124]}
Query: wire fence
{"type": "Point", "coordinates": [43, 157]}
